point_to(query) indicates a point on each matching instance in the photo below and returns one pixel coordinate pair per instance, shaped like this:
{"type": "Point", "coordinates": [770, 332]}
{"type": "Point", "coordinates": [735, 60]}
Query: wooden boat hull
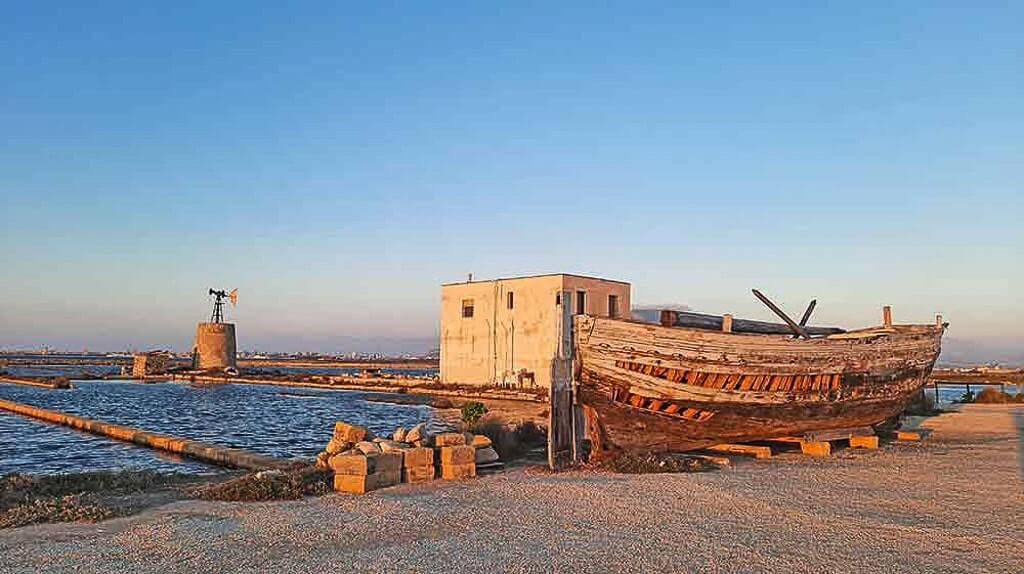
{"type": "Point", "coordinates": [652, 387]}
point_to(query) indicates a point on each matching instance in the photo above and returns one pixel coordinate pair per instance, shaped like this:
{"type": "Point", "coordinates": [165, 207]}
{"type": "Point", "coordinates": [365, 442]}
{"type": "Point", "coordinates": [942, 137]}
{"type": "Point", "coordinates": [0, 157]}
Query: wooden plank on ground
{"type": "Point", "coordinates": [838, 434]}
{"type": "Point", "coordinates": [744, 449]}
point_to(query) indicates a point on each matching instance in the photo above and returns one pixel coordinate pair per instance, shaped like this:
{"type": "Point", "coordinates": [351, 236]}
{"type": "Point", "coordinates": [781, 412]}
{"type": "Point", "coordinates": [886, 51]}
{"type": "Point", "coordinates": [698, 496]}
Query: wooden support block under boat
{"type": "Point", "coordinates": [838, 434]}
{"type": "Point", "coordinates": [870, 442]}
{"type": "Point", "coordinates": [813, 448]}
{"type": "Point", "coordinates": [744, 449]}
{"type": "Point", "coordinates": [909, 435]}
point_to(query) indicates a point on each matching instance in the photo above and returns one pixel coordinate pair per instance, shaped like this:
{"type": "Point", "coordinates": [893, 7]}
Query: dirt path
{"type": "Point", "coordinates": [951, 504]}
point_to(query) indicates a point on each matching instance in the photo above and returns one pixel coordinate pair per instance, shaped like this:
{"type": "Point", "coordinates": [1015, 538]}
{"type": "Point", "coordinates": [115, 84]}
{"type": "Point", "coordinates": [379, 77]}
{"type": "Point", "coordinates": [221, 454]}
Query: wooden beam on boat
{"type": "Point", "coordinates": [714, 323]}
{"type": "Point", "coordinates": [782, 315]}
{"type": "Point", "coordinates": [807, 312]}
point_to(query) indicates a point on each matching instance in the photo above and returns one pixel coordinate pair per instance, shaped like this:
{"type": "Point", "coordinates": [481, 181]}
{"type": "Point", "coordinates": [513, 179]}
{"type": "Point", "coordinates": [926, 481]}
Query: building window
{"type": "Point", "coordinates": [581, 303]}
{"type": "Point", "coordinates": [467, 308]}
{"type": "Point", "coordinates": [613, 306]}
{"type": "Point", "coordinates": [511, 300]}
{"type": "Point", "coordinates": [558, 298]}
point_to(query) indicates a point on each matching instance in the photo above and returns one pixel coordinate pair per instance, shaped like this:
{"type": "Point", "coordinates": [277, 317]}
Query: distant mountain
{"type": "Point", "coordinates": [970, 352]}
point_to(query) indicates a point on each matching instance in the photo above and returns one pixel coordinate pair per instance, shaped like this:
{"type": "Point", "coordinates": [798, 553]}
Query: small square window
{"type": "Point", "coordinates": [467, 308]}
{"type": "Point", "coordinates": [511, 300]}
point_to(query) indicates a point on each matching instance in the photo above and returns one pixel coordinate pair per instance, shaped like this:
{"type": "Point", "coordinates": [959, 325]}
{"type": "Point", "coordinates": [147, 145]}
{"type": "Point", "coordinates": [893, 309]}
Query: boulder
{"type": "Point", "coordinates": [417, 433]}
{"type": "Point", "coordinates": [486, 455]}
{"type": "Point", "coordinates": [399, 435]}
{"type": "Point", "coordinates": [480, 441]}
{"type": "Point", "coordinates": [265, 474]}
{"type": "Point", "coordinates": [392, 446]}
{"type": "Point", "coordinates": [321, 459]}
{"type": "Point", "coordinates": [367, 447]}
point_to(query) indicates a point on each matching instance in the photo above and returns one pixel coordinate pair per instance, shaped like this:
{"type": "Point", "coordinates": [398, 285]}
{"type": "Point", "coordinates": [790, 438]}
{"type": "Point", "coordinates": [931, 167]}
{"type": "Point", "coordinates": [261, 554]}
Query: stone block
{"type": "Point", "coordinates": [353, 464]}
{"type": "Point", "coordinates": [355, 484]}
{"type": "Point", "coordinates": [387, 478]}
{"type": "Point", "coordinates": [452, 455]}
{"type": "Point", "coordinates": [389, 462]}
{"type": "Point", "coordinates": [345, 432]}
{"type": "Point", "coordinates": [421, 456]}
{"type": "Point", "coordinates": [480, 441]}
{"type": "Point", "coordinates": [458, 471]}
{"type": "Point", "coordinates": [418, 473]}
{"type": "Point", "coordinates": [450, 439]}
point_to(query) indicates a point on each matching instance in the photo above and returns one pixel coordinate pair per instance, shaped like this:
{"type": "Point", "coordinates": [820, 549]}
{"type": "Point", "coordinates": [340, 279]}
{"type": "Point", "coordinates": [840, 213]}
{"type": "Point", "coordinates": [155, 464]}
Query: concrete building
{"type": "Point", "coordinates": [506, 332]}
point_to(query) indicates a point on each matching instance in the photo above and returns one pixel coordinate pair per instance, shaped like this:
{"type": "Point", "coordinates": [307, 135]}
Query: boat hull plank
{"type": "Point", "coordinates": [667, 388]}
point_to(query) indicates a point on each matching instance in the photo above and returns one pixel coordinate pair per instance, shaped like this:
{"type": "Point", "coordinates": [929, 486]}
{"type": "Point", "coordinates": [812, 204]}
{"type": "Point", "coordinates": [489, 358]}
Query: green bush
{"type": "Point", "coordinates": [472, 412]}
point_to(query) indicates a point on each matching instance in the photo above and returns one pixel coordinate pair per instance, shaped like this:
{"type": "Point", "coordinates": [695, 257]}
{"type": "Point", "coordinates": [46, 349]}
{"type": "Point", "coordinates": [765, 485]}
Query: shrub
{"type": "Point", "coordinates": [472, 412]}
{"type": "Point", "coordinates": [967, 397]}
{"type": "Point", "coordinates": [28, 499]}
{"type": "Point", "coordinates": [511, 442]}
{"type": "Point", "coordinates": [991, 395]}
{"type": "Point", "coordinates": [256, 487]}
{"type": "Point", "coordinates": [651, 463]}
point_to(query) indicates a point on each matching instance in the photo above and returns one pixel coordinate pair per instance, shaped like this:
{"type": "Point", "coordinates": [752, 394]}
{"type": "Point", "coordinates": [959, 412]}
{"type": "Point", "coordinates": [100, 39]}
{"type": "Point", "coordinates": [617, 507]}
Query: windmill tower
{"type": "Point", "coordinates": [215, 346]}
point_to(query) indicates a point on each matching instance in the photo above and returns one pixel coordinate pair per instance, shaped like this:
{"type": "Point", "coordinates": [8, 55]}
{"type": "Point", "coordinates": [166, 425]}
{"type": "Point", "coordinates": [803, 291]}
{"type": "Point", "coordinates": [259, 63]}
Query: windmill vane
{"type": "Point", "coordinates": [218, 303]}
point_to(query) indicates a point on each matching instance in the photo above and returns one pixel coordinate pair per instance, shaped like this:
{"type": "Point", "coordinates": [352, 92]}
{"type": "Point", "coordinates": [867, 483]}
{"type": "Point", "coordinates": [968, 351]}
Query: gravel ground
{"type": "Point", "coordinates": [951, 504]}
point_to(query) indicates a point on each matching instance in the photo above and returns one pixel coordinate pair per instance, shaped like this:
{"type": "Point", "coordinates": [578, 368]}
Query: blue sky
{"type": "Point", "coordinates": [338, 162]}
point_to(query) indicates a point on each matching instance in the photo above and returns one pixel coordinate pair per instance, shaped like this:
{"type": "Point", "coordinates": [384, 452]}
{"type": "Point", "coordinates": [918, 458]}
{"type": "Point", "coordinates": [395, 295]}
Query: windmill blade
{"type": "Point", "coordinates": [233, 295]}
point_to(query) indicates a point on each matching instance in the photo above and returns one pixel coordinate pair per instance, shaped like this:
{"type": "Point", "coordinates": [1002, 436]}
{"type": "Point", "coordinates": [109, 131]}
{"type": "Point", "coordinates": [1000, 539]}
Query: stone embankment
{"type": "Point", "coordinates": [362, 462]}
{"type": "Point", "coordinates": [232, 457]}
{"type": "Point", "coordinates": [44, 382]}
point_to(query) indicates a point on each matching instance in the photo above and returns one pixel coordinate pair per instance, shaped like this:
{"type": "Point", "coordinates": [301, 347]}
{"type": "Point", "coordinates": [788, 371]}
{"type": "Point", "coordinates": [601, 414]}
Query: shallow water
{"type": "Point", "coordinates": [268, 419]}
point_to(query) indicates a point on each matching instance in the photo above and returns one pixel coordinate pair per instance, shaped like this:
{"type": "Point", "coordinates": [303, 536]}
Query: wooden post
{"type": "Point", "coordinates": [887, 317]}
{"type": "Point", "coordinates": [727, 323]}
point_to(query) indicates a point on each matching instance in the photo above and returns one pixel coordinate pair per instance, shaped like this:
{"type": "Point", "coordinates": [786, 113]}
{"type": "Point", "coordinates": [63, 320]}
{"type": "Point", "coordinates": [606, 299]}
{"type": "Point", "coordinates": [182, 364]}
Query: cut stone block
{"type": "Point", "coordinates": [389, 462]}
{"type": "Point", "coordinates": [345, 432]}
{"type": "Point", "coordinates": [353, 464]}
{"type": "Point", "coordinates": [480, 441]}
{"type": "Point", "coordinates": [420, 456]}
{"type": "Point", "coordinates": [458, 471]}
{"type": "Point", "coordinates": [355, 484]}
{"type": "Point", "coordinates": [453, 455]}
{"type": "Point", "coordinates": [450, 439]}
{"type": "Point", "coordinates": [418, 473]}
{"type": "Point", "coordinates": [387, 478]}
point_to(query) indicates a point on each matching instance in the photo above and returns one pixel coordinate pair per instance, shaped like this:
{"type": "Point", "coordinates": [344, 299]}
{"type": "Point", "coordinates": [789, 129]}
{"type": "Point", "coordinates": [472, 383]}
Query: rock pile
{"type": "Point", "coordinates": [363, 462]}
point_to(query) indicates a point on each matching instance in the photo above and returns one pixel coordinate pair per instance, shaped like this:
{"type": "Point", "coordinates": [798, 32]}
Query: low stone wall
{"type": "Point", "coordinates": [53, 383]}
{"type": "Point", "coordinates": [232, 457]}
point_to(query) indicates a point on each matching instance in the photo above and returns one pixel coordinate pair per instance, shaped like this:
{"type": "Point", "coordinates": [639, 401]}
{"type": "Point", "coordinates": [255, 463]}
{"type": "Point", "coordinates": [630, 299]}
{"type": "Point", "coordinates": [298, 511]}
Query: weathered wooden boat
{"type": "Point", "coordinates": [665, 387]}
